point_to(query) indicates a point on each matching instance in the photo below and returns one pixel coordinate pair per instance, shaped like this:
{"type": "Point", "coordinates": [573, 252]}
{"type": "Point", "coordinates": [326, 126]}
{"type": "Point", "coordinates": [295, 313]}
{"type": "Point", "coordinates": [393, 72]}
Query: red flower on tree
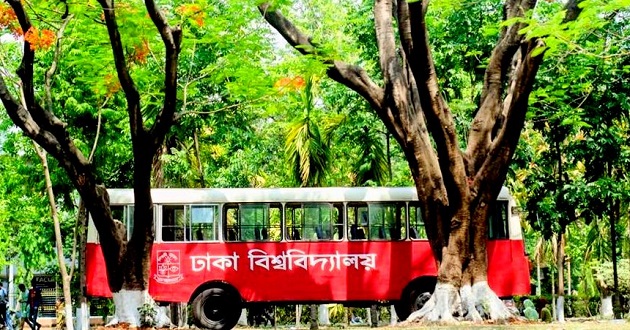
{"type": "Point", "coordinates": [288, 84]}
{"type": "Point", "coordinates": [192, 11]}
{"type": "Point", "coordinates": [39, 40]}
{"type": "Point", "coordinates": [8, 19]}
{"type": "Point", "coordinates": [140, 52]}
{"type": "Point", "coordinates": [112, 85]}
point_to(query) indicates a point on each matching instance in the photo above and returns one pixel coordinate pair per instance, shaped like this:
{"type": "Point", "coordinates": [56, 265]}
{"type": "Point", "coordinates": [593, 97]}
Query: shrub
{"type": "Point", "coordinates": [148, 315]}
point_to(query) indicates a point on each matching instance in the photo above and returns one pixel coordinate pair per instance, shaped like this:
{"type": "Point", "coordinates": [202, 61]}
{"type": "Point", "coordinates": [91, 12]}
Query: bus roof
{"type": "Point", "coordinates": [268, 195]}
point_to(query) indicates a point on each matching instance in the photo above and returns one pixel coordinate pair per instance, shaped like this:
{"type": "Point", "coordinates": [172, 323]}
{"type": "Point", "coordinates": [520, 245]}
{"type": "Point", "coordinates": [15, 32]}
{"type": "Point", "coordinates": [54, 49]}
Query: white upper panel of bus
{"type": "Point", "coordinates": [266, 195]}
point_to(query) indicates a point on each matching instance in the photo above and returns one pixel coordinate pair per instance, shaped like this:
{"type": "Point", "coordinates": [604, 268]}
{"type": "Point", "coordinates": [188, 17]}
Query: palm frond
{"type": "Point", "coordinates": [307, 153]}
{"type": "Point", "coordinates": [372, 165]}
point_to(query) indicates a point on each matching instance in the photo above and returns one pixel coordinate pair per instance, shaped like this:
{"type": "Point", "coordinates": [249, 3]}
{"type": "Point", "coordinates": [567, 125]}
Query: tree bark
{"type": "Point", "coordinates": [455, 189]}
{"type": "Point", "coordinates": [127, 262]}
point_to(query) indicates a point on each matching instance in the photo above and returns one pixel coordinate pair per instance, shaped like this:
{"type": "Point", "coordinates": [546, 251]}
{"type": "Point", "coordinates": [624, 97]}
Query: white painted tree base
{"type": "Point", "coordinates": [474, 303]}
{"type": "Point", "coordinates": [468, 304]}
{"type": "Point", "coordinates": [322, 315]}
{"type": "Point", "coordinates": [393, 318]}
{"type": "Point", "coordinates": [440, 307]}
{"type": "Point", "coordinates": [127, 303]}
{"type": "Point", "coordinates": [560, 309]}
{"type": "Point", "coordinates": [488, 303]}
{"type": "Point", "coordinates": [242, 320]}
{"type": "Point", "coordinates": [607, 307]}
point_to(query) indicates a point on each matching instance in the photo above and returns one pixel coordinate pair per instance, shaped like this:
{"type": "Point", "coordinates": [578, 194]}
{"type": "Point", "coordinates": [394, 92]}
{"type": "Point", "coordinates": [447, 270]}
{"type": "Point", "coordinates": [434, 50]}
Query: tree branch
{"type": "Point", "coordinates": [126, 82]}
{"type": "Point", "coordinates": [172, 38]}
{"type": "Point", "coordinates": [53, 66]}
{"type": "Point", "coordinates": [494, 167]}
{"type": "Point", "coordinates": [440, 122]}
{"type": "Point", "coordinates": [25, 72]}
{"type": "Point", "coordinates": [495, 76]}
{"type": "Point", "coordinates": [352, 76]}
{"type": "Point", "coordinates": [49, 132]}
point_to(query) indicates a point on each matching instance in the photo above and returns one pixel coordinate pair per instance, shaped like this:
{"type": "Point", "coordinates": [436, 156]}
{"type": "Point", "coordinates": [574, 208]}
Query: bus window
{"type": "Point", "coordinates": [124, 214]}
{"type": "Point", "coordinates": [314, 222]}
{"type": "Point", "coordinates": [275, 222]}
{"type": "Point", "coordinates": [338, 231]}
{"type": "Point", "coordinates": [294, 222]}
{"type": "Point", "coordinates": [416, 223]}
{"type": "Point", "coordinates": [173, 223]}
{"type": "Point", "coordinates": [230, 214]}
{"type": "Point", "coordinates": [358, 221]}
{"type": "Point", "coordinates": [497, 222]}
{"type": "Point", "coordinates": [258, 222]}
{"type": "Point", "coordinates": [386, 221]}
{"type": "Point", "coordinates": [203, 222]}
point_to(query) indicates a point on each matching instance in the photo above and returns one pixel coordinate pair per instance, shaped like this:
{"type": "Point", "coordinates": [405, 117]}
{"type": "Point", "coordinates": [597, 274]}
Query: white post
{"type": "Point", "coordinates": [298, 315]}
{"type": "Point", "coordinates": [393, 318]}
{"type": "Point", "coordinates": [606, 309]}
{"type": "Point", "coordinates": [323, 315]}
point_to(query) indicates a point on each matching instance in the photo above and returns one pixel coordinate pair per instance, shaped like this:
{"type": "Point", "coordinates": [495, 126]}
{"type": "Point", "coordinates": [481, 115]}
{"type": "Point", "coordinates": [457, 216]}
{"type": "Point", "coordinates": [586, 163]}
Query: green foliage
{"type": "Point", "coordinates": [306, 147]}
{"type": "Point", "coordinates": [603, 273]}
{"type": "Point", "coordinates": [27, 236]}
{"type": "Point", "coordinates": [371, 167]}
{"type": "Point", "coordinates": [148, 315]}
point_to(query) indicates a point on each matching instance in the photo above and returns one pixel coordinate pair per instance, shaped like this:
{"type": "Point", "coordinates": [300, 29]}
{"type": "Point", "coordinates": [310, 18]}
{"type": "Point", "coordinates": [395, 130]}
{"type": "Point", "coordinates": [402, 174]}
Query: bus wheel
{"type": "Point", "coordinates": [217, 308]}
{"type": "Point", "coordinates": [413, 298]}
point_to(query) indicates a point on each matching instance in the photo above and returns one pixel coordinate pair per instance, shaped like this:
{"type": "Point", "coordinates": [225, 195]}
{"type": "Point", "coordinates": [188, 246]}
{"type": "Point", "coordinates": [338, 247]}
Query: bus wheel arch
{"type": "Point", "coordinates": [414, 296]}
{"type": "Point", "coordinates": [216, 305]}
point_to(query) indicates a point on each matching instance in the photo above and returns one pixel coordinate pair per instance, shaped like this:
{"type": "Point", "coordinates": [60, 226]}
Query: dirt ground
{"type": "Point", "coordinates": [570, 325]}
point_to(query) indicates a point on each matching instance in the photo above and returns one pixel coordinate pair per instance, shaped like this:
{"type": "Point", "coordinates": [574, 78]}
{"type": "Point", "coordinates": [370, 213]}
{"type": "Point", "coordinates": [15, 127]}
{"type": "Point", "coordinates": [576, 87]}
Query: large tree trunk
{"type": "Point", "coordinates": [133, 292]}
{"type": "Point", "coordinates": [455, 188]}
{"type": "Point", "coordinates": [127, 262]}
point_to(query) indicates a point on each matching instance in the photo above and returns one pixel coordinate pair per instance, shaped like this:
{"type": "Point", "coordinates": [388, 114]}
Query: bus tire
{"type": "Point", "coordinates": [414, 296]}
{"type": "Point", "coordinates": [217, 308]}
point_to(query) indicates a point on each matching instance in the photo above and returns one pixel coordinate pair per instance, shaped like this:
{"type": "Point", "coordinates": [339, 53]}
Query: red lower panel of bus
{"type": "Point", "coordinates": [305, 271]}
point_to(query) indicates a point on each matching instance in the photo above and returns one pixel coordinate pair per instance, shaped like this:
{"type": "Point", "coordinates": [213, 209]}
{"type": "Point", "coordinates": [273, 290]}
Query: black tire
{"type": "Point", "coordinates": [217, 308]}
{"type": "Point", "coordinates": [413, 298]}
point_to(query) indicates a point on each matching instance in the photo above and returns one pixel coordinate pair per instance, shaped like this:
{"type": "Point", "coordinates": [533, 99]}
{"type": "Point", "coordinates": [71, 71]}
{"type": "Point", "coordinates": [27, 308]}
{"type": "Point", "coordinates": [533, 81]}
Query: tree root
{"type": "Point", "coordinates": [440, 307]}
{"type": "Point", "coordinates": [448, 306]}
{"type": "Point", "coordinates": [470, 312]}
{"type": "Point", "coordinates": [488, 304]}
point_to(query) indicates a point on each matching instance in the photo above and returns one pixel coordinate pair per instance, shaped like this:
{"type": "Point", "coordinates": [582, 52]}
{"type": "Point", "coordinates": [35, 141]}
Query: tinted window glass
{"type": "Point", "coordinates": [417, 229]}
{"type": "Point", "coordinates": [204, 222]}
{"type": "Point", "coordinates": [387, 221]}
{"type": "Point", "coordinates": [314, 222]}
{"type": "Point", "coordinates": [497, 223]}
{"type": "Point", "coordinates": [173, 223]}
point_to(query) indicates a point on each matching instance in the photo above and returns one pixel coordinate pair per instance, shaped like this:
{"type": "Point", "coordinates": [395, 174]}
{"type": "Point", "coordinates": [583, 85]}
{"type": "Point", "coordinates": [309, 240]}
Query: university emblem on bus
{"type": "Point", "coordinates": [168, 267]}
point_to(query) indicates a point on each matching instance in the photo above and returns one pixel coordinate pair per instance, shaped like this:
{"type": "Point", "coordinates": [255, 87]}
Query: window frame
{"type": "Point", "coordinates": [295, 219]}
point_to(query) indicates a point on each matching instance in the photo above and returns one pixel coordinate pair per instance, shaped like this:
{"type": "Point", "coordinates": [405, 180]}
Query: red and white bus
{"type": "Point", "coordinates": [220, 249]}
